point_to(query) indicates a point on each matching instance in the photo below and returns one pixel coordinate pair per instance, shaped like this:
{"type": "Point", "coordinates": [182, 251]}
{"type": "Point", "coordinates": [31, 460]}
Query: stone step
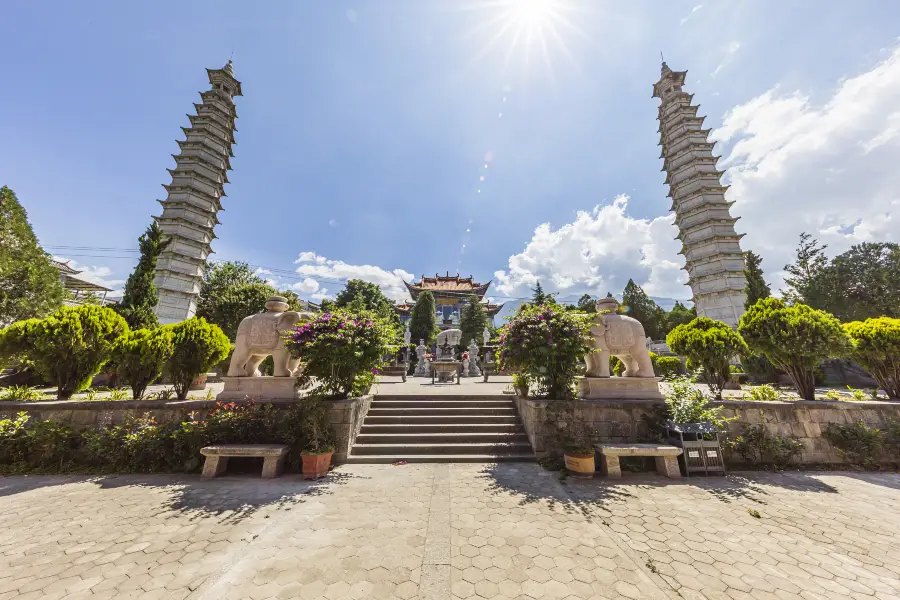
{"type": "Point", "coordinates": [491, 448]}
{"type": "Point", "coordinates": [441, 411]}
{"type": "Point", "coordinates": [441, 458]}
{"type": "Point", "coordinates": [442, 437]}
{"type": "Point", "coordinates": [434, 419]}
{"type": "Point", "coordinates": [442, 427]}
{"type": "Point", "coordinates": [440, 403]}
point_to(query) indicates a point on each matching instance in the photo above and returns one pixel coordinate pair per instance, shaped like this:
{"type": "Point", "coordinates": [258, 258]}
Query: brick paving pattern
{"type": "Point", "coordinates": [429, 531]}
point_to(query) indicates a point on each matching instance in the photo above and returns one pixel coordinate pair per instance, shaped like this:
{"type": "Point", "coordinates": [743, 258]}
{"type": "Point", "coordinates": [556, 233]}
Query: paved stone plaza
{"type": "Point", "coordinates": [450, 531]}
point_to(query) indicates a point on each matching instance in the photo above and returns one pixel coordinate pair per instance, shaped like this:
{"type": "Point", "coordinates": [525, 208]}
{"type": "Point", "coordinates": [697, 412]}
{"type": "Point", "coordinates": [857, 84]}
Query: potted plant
{"type": "Point", "coordinates": [520, 384]}
{"type": "Point", "coordinates": [572, 436]}
{"type": "Point", "coordinates": [317, 445]}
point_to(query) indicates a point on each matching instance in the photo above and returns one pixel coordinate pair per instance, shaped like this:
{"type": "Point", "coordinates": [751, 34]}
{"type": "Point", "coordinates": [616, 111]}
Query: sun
{"type": "Point", "coordinates": [532, 13]}
{"type": "Point", "coordinates": [519, 28]}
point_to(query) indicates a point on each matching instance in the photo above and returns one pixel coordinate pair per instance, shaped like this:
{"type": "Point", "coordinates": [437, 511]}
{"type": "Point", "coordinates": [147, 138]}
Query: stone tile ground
{"type": "Point", "coordinates": [510, 531]}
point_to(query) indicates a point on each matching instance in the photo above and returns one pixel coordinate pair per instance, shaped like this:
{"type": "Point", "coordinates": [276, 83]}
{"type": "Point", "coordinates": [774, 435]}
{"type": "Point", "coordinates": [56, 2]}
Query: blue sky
{"type": "Point", "coordinates": [365, 128]}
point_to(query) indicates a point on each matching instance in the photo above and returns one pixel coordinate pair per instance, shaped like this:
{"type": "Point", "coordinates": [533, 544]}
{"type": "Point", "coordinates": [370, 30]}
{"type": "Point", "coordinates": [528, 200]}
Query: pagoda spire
{"type": "Point", "coordinates": [710, 244]}
{"type": "Point", "coordinates": [194, 197]}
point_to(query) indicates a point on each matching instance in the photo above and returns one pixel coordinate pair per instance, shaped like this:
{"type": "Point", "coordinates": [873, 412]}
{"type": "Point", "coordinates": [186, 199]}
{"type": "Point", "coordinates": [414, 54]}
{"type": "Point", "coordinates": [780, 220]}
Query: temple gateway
{"type": "Point", "coordinates": [451, 294]}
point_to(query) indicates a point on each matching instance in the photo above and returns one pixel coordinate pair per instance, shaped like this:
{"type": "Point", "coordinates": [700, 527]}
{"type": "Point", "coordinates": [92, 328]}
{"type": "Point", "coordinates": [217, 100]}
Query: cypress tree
{"type": "Point", "coordinates": [140, 296]}
{"type": "Point", "coordinates": [29, 283]}
{"type": "Point", "coordinates": [473, 321]}
{"type": "Point", "coordinates": [539, 297]}
{"type": "Point", "coordinates": [422, 324]}
{"type": "Point", "coordinates": [645, 310]}
{"type": "Point", "coordinates": [756, 288]}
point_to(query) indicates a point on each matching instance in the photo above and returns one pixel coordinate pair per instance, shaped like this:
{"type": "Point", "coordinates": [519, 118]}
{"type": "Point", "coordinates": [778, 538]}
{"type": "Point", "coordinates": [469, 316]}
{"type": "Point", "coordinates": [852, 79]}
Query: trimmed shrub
{"type": "Point", "coordinates": [687, 404]}
{"type": "Point", "coordinates": [340, 351]}
{"type": "Point", "coordinates": [668, 367]}
{"type": "Point", "coordinates": [859, 444]}
{"type": "Point", "coordinates": [140, 357]}
{"type": "Point", "coordinates": [876, 346]}
{"type": "Point", "coordinates": [71, 345]}
{"type": "Point", "coordinates": [616, 366]}
{"type": "Point", "coordinates": [196, 347]}
{"type": "Point", "coordinates": [796, 339]}
{"type": "Point", "coordinates": [547, 344]}
{"type": "Point", "coordinates": [710, 345]}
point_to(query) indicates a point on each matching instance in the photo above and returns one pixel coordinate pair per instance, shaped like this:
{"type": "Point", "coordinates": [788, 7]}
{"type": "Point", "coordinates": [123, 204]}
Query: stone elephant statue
{"type": "Point", "coordinates": [259, 336]}
{"type": "Point", "coordinates": [619, 336]}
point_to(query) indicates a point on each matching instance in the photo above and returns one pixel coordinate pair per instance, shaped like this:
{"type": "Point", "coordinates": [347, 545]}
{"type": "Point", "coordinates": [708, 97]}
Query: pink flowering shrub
{"type": "Point", "coordinates": [546, 344]}
{"type": "Point", "coordinates": [340, 350]}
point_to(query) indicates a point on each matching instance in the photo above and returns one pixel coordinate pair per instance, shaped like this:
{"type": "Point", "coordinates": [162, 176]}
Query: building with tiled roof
{"type": "Point", "coordinates": [451, 293]}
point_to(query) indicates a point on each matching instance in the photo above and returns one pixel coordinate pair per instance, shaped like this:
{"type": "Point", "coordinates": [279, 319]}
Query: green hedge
{"type": "Point", "coordinates": [141, 445]}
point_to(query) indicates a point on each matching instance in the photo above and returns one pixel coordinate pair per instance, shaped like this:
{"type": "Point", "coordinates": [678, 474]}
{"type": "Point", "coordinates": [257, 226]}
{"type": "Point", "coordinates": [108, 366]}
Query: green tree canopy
{"type": "Point", "coordinates": [586, 304]}
{"type": "Point", "coordinates": [709, 344]}
{"type": "Point", "coordinates": [640, 306]}
{"type": "Point", "coordinates": [472, 321]}
{"type": "Point", "coordinates": [804, 278]}
{"type": "Point", "coordinates": [756, 287]}
{"type": "Point", "coordinates": [231, 291]}
{"type": "Point", "coordinates": [796, 339]}
{"type": "Point", "coordinates": [140, 296]}
{"type": "Point", "coordinates": [863, 282]}
{"type": "Point", "coordinates": [372, 299]}
{"type": "Point", "coordinates": [422, 324]}
{"type": "Point", "coordinates": [679, 315]}
{"type": "Point", "coordinates": [29, 283]}
{"type": "Point", "coordinates": [876, 346]}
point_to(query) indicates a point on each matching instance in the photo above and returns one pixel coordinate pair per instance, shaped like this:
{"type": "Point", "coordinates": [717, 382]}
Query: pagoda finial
{"type": "Point", "coordinates": [229, 68]}
{"type": "Point", "coordinates": [665, 70]}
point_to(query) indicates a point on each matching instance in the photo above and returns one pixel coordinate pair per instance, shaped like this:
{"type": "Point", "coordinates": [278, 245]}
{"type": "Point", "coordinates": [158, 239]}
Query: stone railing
{"type": "Point", "coordinates": [346, 416]}
{"type": "Point", "coordinates": [630, 420]}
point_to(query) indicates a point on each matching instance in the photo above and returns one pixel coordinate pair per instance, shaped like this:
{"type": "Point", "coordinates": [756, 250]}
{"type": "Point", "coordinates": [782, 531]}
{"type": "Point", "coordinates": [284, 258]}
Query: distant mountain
{"type": "Point", "coordinates": [511, 306]}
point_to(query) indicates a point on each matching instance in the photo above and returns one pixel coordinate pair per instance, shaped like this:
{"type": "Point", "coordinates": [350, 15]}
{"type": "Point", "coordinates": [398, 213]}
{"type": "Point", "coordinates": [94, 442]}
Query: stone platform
{"type": "Point", "coordinates": [257, 388]}
{"type": "Point", "coordinates": [619, 388]}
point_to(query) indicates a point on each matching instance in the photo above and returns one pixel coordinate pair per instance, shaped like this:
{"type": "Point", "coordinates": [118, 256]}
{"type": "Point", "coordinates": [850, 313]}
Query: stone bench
{"type": "Point", "coordinates": [217, 457]}
{"type": "Point", "coordinates": [666, 457]}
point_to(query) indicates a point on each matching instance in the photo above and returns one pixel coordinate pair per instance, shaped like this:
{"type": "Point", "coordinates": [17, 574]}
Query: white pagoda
{"type": "Point", "coordinates": [710, 245]}
{"type": "Point", "coordinates": [189, 212]}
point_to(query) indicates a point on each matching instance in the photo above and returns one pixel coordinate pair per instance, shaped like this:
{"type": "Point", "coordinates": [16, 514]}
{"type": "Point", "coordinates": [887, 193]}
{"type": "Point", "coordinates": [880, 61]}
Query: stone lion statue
{"type": "Point", "coordinates": [620, 336]}
{"type": "Point", "coordinates": [259, 336]}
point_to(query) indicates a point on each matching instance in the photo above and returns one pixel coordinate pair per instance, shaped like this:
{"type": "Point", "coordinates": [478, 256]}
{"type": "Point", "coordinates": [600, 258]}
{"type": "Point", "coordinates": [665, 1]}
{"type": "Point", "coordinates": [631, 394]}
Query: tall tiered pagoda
{"type": "Point", "coordinates": [451, 293]}
{"type": "Point", "coordinates": [710, 245]}
{"type": "Point", "coordinates": [189, 212]}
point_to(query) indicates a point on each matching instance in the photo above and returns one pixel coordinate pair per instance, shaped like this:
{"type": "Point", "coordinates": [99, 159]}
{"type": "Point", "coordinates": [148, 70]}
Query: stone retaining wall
{"type": "Point", "coordinates": [346, 415]}
{"type": "Point", "coordinates": [627, 420]}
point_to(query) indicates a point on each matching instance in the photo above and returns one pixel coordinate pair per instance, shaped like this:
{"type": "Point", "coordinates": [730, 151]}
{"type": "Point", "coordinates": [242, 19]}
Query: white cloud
{"type": "Point", "coordinates": [100, 275]}
{"type": "Point", "coordinates": [390, 282]}
{"type": "Point", "coordinates": [307, 286]}
{"type": "Point", "coordinates": [333, 223]}
{"type": "Point", "coordinates": [598, 253]}
{"type": "Point", "coordinates": [730, 50]}
{"type": "Point", "coordinates": [828, 169]}
{"type": "Point", "coordinates": [691, 14]}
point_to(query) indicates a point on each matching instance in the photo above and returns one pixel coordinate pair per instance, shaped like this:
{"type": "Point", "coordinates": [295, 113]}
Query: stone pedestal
{"type": "Point", "coordinates": [258, 389]}
{"type": "Point", "coordinates": [619, 388]}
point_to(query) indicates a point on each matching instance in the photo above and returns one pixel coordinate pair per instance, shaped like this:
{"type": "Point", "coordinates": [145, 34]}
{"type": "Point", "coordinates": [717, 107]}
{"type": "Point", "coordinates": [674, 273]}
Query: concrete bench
{"type": "Point", "coordinates": [666, 457]}
{"type": "Point", "coordinates": [217, 457]}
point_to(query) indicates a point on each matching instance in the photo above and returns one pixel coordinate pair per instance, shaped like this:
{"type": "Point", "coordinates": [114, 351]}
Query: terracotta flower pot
{"type": "Point", "coordinates": [580, 465]}
{"type": "Point", "coordinates": [315, 465]}
{"type": "Point", "coordinates": [199, 383]}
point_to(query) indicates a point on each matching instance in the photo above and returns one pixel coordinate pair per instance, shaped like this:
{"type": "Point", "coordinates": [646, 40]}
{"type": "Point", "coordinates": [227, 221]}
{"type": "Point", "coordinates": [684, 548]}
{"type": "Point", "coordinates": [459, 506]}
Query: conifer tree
{"type": "Point", "coordinates": [539, 297]}
{"type": "Point", "coordinates": [473, 321]}
{"type": "Point", "coordinates": [641, 307]}
{"type": "Point", "coordinates": [29, 283]}
{"type": "Point", "coordinates": [140, 296]}
{"type": "Point", "coordinates": [756, 288]}
{"type": "Point", "coordinates": [422, 324]}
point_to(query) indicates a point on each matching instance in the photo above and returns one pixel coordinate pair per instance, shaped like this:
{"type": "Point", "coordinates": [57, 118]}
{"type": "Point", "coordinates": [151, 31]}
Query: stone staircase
{"type": "Point", "coordinates": [441, 429]}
